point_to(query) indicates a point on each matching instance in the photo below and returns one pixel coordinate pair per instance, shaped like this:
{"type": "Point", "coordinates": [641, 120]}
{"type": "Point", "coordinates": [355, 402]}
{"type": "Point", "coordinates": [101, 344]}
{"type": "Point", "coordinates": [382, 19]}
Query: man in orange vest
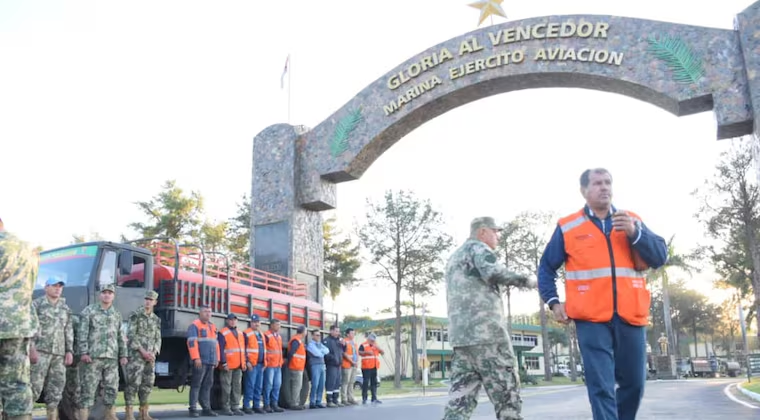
{"type": "Point", "coordinates": [254, 375]}
{"type": "Point", "coordinates": [370, 354]}
{"type": "Point", "coordinates": [233, 365]}
{"type": "Point", "coordinates": [273, 370]}
{"type": "Point", "coordinates": [604, 251]}
{"type": "Point", "coordinates": [203, 347]}
{"type": "Point", "coordinates": [296, 367]}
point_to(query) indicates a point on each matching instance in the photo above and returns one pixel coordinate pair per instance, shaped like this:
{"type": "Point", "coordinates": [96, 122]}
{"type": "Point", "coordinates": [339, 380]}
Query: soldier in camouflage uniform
{"type": "Point", "coordinates": [18, 324]}
{"type": "Point", "coordinates": [72, 388]}
{"type": "Point", "coordinates": [144, 338]}
{"type": "Point", "coordinates": [54, 346]}
{"type": "Point", "coordinates": [483, 354]}
{"type": "Point", "coordinates": [101, 342]}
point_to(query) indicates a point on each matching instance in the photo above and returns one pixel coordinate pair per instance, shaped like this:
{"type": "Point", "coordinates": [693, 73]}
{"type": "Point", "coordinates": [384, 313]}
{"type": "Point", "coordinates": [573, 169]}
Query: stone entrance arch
{"type": "Point", "coordinates": [682, 69]}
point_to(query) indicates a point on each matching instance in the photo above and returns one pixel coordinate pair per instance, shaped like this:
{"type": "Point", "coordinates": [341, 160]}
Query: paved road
{"type": "Point", "coordinates": [688, 399]}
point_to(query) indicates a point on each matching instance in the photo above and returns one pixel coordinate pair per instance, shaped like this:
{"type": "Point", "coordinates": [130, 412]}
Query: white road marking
{"type": "Point", "coordinates": [727, 391]}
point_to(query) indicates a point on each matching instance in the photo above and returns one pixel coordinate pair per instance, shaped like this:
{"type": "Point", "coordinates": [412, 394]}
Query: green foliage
{"type": "Point", "coordinates": [239, 232]}
{"type": "Point", "coordinates": [79, 239]}
{"type": "Point", "coordinates": [730, 212]}
{"type": "Point", "coordinates": [341, 260]}
{"type": "Point", "coordinates": [682, 61]}
{"type": "Point", "coordinates": [171, 213]}
{"type": "Point", "coordinates": [403, 237]}
{"type": "Point", "coordinates": [343, 130]}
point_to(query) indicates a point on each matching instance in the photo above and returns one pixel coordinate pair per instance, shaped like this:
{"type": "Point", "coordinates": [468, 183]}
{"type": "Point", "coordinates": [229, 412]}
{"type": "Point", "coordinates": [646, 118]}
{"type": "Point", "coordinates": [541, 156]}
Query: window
{"type": "Point", "coordinates": [72, 265]}
{"type": "Point", "coordinates": [435, 335]}
{"type": "Point", "coordinates": [137, 277]}
{"type": "Point", "coordinates": [530, 339]}
{"type": "Point", "coordinates": [532, 363]}
{"type": "Point", "coordinates": [108, 269]}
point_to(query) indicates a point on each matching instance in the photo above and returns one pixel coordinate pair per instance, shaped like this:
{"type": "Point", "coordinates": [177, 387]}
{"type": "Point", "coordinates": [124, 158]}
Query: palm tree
{"type": "Point", "coordinates": [674, 261]}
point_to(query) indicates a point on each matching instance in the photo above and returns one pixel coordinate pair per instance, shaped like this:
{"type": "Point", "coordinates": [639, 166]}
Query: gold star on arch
{"type": "Point", "coordinates": [488, 8]}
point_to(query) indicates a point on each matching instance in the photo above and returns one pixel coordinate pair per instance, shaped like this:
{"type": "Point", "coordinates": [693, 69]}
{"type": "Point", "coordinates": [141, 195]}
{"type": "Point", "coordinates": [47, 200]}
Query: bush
{"type": "Point", "coordinates": [527, 379]}
{"type": "Point", "coordinates": [558, 375]}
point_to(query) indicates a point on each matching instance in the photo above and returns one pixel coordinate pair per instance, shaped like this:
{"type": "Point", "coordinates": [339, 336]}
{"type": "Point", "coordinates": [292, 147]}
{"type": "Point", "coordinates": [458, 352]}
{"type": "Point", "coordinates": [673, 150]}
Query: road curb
{"type": "Point", "coordinates": [754, 395]}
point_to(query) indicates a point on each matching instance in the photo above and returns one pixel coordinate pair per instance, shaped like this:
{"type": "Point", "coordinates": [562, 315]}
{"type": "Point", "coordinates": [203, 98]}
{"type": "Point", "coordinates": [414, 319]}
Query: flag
{"type": "Point", "coordinates": [284, 72]}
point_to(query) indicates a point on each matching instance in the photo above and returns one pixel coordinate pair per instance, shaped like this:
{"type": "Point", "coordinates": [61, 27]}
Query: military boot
{"type": "Point", "coordinates": [84, 414]}
{"type": "Point", "coordinates": [111, 413]}
{"type": "Point", "coordinates": [144, 408]}
{"type": "Point", "coordinates": [52, 413]}
{"type": "Point", "coordinates": [128, 413]}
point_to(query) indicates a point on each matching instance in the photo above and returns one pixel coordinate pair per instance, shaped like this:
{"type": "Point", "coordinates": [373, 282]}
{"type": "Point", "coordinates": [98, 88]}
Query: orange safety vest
{"type": "Point", "coordinates": [601, 275]}
{"type": "Point", "coordinates": [193, 348]}
{"type": "Point", "coordinates": [273, 344]}
{"type": "Point", "coordinates": [370, 356]}
{"type": "Point", "coordinates": [252, 351]}
{"type": "Point", "coordinates": [298, 360]}
{"type": "Point", "coordinates": [349, 353]}
{"type": "Point", "coordinates": [234, 348]}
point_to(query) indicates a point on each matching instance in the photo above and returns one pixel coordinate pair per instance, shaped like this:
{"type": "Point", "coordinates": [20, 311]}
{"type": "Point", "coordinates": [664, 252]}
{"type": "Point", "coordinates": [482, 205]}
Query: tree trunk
{"type": "Point", "coordinates": [672, 348]}
{"type": "Point", "coordinates": [509, 311]}
{"type": "Point", "coordinates": [397, 344]}
{"type": "Point", "coordinates": [413, 338]}
{"type": "Point", "coordinates": [545, 340]}
{"type": "Point", "coordinates": [694, 328]}
{"type": "Point", "coordinates": [571, 345]}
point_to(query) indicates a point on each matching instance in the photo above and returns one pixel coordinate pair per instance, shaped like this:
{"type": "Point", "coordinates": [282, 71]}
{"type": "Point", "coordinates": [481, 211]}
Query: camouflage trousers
{"type": "Point", "coordinates": [15, 387]}
{"type": "Point", "coordinates": [49, 374]}
{"type": "Point", "coordinates": [72, 389]}
{"type": "Point", "coordinates": [491, 366]}
{"type": "Point", "coordinates": [91, 375]}
{"type": "Point", "coordinates": [140, 377]}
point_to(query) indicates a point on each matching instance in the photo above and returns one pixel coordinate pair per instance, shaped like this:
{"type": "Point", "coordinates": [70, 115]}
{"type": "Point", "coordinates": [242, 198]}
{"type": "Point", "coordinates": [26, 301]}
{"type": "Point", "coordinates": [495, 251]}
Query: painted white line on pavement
{"type": "Point", "coordinates": [727, 391]}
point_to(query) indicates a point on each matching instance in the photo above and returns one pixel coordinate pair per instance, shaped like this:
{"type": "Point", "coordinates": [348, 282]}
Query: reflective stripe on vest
{"type": "Point", "coordinates": [594, 288]}
{"type": "Point", "coordinates": [273, 346]}
{"type": "Point", "coordinates": [371, 360]}
{"type": "Point", "coordinates": [345, 364]}
{"type": "Point", "coordinates": [252, 351]}
{"type": "Point", "coordinates": [298, 360]}
{"type": "Point", "coordinates": [233, 348]}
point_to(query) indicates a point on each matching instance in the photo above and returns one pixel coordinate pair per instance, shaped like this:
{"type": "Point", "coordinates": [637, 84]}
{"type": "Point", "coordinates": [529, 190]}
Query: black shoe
{"type": "Point", "coordinates": [277, 409]}
{"type": "Point", "coordinates": [227, 413]}
{"type": "Point", "coordinates": [194, 413]}
{"type": "Point", "coordinates": [321, 406]}
{"type": "Point", "coordinates": [268, 409]}
{"type": "Point", "coordinates": [376, 402]}
{"type": "Point", "coordinates": [296, 407]}
{"type": "Point", "coordinates": [247, 411]}
{"type": "Point", "coordinates": [312, 406]}
{"type": "Point", "coordinates": [258, 410]}
{"type": "Point", "coordinates": [237, 412]}
{"type": "Point", "coordinates": [209, 413]}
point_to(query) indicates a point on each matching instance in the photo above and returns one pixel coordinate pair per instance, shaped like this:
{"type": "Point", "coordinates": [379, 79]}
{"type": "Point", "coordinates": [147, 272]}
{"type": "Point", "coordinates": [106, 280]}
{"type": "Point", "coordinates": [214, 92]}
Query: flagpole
{"type": "Point", "coordinates": [290, 72]}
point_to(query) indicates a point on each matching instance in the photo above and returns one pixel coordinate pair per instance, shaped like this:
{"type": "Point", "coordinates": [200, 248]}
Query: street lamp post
{"type": "Point", "coordinates": [425, 368]}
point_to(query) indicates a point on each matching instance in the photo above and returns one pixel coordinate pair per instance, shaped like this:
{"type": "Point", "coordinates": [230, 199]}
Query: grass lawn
{"type": "Point", "coordinates": [407, 386]}
{"type": "Point", "coordinates": [157, 397]}
{"type": "Point", "coordinates": [754, 386]}
{"type": "Point", "coordinates": [557, 380]}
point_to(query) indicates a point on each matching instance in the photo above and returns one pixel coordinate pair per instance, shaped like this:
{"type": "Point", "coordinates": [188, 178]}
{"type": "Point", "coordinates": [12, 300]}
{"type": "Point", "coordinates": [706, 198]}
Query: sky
{"type": "Point", "coordinates": [101, 102]}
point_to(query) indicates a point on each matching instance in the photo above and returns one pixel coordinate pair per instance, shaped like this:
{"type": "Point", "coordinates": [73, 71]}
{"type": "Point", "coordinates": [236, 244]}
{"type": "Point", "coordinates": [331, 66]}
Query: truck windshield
{"type": "Point", "coordinates": [72, 265]}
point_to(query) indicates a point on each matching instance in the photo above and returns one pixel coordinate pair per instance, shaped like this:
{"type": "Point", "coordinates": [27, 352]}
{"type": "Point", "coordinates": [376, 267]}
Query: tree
{"type": "Point", "coordinates": [506, 251]}
{"type": "Point", "coordinates": [403, 237]}
{"type": "Point", "coordinates": [532, 231]}
{"type": "Point", "coordinates": [213, 236]}
{"type": "Point", "coordinates": [341, 260]}
{"type": "Point", "coordinates": [730, 211]}
{"type": "Point", "coordinates": [239, 232]}
{"type": "Point", "coordinates": [80, 239]}
{"type": "Point", "coordinates": [171, 213]}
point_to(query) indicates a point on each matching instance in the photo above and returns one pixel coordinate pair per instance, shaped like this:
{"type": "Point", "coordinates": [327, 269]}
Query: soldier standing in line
{"type": "Point", "coordinates": [101, 342]}
{"type": "Point", "coordinates": [144, 338]}
{"type": "Point", "coordinates": [483, 353]}
{"type": "Point", "coordinates": [53, 346]}
{"type": "Point", "coordinates": [72, 390]}
{"type": "Point", "coordinates": [18, 324]}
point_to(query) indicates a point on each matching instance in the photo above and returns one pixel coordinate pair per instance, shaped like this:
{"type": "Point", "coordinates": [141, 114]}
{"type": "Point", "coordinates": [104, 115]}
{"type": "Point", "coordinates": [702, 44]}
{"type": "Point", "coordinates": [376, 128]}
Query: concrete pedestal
{"type": "Point", "coordinates": [665, 367]}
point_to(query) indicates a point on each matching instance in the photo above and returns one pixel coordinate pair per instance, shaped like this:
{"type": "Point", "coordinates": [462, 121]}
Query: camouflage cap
{"type": "Point", "coordinates": [109, 287]}
{"type": "Point", "coordinates": [484, 222]}
{"type": "Point", "coordinates": [150, 294]}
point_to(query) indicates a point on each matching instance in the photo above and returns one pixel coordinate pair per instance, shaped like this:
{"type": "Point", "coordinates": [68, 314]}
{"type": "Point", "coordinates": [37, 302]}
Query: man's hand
{"type": "Point", "coordinates": [224, 367]}
{"type": "Point", "coordinates": [123, 361]}
{"type": "Point", "coordinates": [34, 357]}
{"type": "Point", "coordinates": [147, 356]}
{"type": "Point", "coordinates": [197, 363]}
{"type": "Point", "coordinates": [86, 358]}
{"type": "Point", "coordinates": [622, 221]}
{"type": "Point", "coordinates": [68, 359]}
{"type": "Point", "coordinates": [249, 366]}
{"type": "Point", "coordinates": [558, 309]}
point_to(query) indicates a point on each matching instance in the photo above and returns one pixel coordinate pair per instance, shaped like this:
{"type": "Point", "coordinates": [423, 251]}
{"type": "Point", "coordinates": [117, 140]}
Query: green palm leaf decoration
{"type": "Point", "coordinates": [346, 125]}
{"type": "Point", "coordinates": [682, 61]}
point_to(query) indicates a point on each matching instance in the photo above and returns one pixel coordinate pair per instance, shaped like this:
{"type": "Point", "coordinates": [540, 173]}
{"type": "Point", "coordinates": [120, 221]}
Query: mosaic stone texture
{"type": "Point", "coordinates": [682, 69]}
